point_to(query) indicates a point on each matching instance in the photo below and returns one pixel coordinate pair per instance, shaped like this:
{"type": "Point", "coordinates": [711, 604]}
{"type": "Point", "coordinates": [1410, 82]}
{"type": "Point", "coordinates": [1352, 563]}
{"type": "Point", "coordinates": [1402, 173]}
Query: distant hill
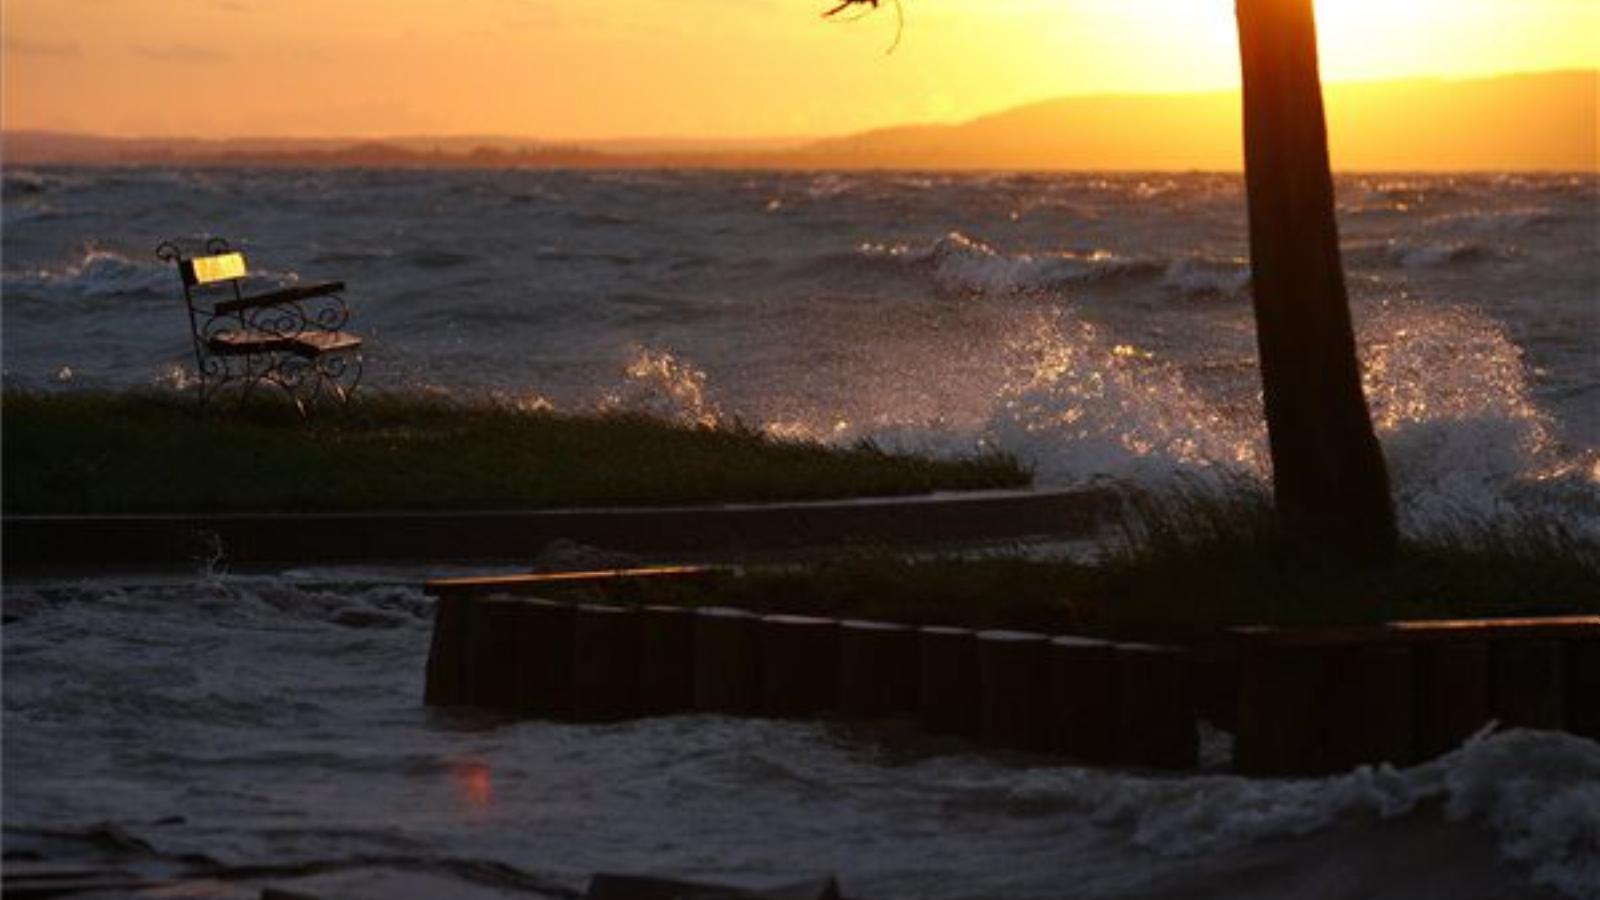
{"type": "Point", "coordinates": [1544, 121]}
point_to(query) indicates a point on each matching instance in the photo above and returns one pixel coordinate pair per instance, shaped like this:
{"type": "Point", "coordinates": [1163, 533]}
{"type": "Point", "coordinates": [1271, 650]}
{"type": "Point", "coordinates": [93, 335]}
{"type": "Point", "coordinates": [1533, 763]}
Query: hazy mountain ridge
{"type": "Point", "coordinates": [1541, 121]}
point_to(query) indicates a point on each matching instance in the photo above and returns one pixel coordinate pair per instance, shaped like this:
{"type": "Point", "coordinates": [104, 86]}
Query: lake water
{"type": "Point", "coordinates": [279, 720]}
{"type": "Point", "coordinates": [1096, 326]}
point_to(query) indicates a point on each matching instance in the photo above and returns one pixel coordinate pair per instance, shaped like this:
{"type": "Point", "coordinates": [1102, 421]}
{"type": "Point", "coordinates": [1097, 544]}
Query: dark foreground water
{"type": "Point", "coordinates": [1097, 327]}
{"type": "Point", "coordinates": [281, 722]}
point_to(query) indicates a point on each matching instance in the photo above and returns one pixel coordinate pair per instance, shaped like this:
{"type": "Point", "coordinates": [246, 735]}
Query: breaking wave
{"type": "Point", "coordinates": [97, 274]}
{"type": "Point", "coordinates": [964, 265]}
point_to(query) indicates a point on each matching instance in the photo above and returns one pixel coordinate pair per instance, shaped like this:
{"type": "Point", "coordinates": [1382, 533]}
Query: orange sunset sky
{"type": "Point", "coordinates": [586, 69]}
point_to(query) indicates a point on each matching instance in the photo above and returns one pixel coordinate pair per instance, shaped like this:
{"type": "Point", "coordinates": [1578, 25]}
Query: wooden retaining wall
{"type": "Point", "coordinates": [1113, 703]}
{"type": "Point", "coordinates": [1324, 700]}
{"type": "Point", "coordinates": [1301, 701]}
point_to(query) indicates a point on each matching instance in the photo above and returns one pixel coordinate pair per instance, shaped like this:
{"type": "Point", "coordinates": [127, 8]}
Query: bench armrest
{"type": "Point", "coordinates": [279, 297]}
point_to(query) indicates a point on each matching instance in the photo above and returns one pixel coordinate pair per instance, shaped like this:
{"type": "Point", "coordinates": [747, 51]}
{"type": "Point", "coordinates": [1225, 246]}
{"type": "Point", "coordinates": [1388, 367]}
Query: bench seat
{"type": "Point", "coordinates": [246, 342]}
{"type": "Point", "coordinates": [312, 344]}
{"type": "Point", "coordinates": [309, 344]}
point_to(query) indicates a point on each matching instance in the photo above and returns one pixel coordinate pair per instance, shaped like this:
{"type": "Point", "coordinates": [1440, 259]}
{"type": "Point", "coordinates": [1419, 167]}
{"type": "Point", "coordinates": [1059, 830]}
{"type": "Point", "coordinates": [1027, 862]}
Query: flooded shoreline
{"type": "Point", "coordinates": [283, 724]}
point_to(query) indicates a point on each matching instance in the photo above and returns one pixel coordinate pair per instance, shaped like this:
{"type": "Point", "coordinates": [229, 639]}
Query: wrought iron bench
{"type": "Point", "coordinates": [290, 338]}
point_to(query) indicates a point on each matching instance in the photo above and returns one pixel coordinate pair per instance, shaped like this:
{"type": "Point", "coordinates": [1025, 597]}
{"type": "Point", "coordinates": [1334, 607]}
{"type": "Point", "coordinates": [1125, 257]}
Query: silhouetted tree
{"type": "Point", "coordinates": [1329, 481]}
{"type": "Point", "coordinates": [1328, 475]}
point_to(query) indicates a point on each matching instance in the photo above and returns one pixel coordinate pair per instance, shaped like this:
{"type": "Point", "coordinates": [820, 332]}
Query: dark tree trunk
{"type": "Point", "coordinates": [1329, 480]}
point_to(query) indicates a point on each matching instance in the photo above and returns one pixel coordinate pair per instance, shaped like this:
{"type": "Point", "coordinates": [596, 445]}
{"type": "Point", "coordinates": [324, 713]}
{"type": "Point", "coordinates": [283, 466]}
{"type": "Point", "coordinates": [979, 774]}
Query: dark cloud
{"type": "Point", "coordinates": [184, 53]}
{"type": "Point", "coordinates": [25, 47]}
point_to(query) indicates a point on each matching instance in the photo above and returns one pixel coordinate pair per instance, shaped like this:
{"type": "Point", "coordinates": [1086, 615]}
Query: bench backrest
{"type": "Point", "coordinates": [204, 270]}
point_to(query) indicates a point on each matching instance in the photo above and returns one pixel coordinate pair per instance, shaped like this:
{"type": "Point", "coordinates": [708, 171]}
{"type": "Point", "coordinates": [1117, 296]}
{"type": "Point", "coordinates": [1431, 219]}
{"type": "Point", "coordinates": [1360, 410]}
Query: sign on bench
{"type": "Point", "coordinates": [291, 338]}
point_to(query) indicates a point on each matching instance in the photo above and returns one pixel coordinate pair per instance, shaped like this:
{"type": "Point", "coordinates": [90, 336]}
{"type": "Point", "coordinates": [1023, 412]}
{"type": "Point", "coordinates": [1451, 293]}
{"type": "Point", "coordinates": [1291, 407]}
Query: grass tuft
{"type": "Point", "coordinates": [1188, 564]}
{"type": "Point", "coordinates": [142, 452]}
{"type": "Point", "coordinates": [1206, 557]}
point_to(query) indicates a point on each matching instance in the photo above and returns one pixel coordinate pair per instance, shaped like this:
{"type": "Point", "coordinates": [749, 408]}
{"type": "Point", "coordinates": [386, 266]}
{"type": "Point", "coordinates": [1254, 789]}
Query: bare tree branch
{"type": "Point", "coordinates": [899, 16]}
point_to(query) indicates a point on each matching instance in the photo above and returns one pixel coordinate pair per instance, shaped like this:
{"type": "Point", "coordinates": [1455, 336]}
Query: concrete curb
{"type": "Point", "coordinates": [518, 535]}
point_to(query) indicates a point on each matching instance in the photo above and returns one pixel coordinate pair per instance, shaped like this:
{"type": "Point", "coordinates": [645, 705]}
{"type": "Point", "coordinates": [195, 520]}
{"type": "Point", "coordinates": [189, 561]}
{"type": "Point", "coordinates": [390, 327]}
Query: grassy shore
{"type": "Point", "coordinates": [1188, 565]}
{"type": "Point", "coordinates": [1186, 562]}
{"type": "Point", "coordinates": [87, 453]}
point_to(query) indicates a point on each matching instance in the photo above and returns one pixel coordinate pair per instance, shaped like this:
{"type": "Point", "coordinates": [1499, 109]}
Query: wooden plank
{"type": "Point", "coordinates": [1411, 631]}
{"type": "Point", "coordinates": [311, 344]}
{"type": "Point", "coordinates": [534, 582]}
{"type": "Point", "coordinates": [279, 297]}
{"type": "Point", "coordinates": [1494, 629]}
{"type": "Point", "coordinates": [245, 343]}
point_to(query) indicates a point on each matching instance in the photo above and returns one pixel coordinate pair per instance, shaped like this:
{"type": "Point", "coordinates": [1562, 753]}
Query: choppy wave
{"type": "Point", "coordinates": [964, 265]}
{"type": "Point", "coordinates": [98, 274]}
{"type": "Point", "coordinates": [1431, 255]}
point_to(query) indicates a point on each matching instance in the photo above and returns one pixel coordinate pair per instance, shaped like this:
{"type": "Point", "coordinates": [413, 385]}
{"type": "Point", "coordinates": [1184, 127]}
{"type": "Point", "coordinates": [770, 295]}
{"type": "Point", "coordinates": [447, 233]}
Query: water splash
{"type": "Point", "coordinates": [1079, 407]}
{"type": "Point", "coordinates": [1452, 402]}
{"type": "Point", "coordinates": [659, 384]}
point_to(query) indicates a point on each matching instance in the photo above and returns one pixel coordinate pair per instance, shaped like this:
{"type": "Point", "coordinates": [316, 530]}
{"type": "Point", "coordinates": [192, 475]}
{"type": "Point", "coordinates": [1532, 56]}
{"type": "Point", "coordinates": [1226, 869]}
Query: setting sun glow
{"type": "Point", "coordinates": [564, 69]}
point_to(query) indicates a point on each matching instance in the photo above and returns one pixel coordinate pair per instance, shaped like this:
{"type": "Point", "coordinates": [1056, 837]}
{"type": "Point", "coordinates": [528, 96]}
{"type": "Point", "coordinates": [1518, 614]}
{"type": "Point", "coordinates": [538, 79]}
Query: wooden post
{"type": "Point", "coordinates": [492, 681]}
{"type": "Point", "coordinates": [948, 664]}
{"type": "Point", "coordinates": [605, 653]}
{"type": "Point", "coordinates": [1368, 704]}
{"type": "Point", "coordinates": [1277, 731]}
{"type": "Point", "coordinates": [727, 661]}
{"type": "Point", "coordinates": [545, 658]}
{"type": "Point", "coordinates": [1083, 675]}
{"type": "Point", "coordinates": [1329, 480]}
{"type": "Point", "coordinates": [1452, 700]}
{"type": "Point", "coordinates": [1527, 683]}
{"type": "Point", "coordinates": [799, 665]}
{"type": "Point", "coordinates": [879, 669]}
{"type": "Point", "coordinates": [1583, 687]}
{"type": "Point", "coordinates": [1156, 726]}
{"type": "Point", "coordinates": [666, 660]}
{"type": "Point", "coordinates": [1014, 689]}
{"type": "Point", "coordinates": [1214, 682]}
{"type": "Point", "coordinates": [447, 652]}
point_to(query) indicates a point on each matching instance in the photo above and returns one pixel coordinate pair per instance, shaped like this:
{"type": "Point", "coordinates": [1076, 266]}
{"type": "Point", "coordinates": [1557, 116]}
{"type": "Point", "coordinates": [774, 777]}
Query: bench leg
{"type": "Point", "coordinates": [303, 381]}
{"type": "Point", "coordinates": [339, 375]}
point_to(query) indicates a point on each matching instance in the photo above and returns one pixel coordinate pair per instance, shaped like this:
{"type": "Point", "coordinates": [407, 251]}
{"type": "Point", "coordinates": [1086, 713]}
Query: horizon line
{"type": "Point", "coordinates": [796, 139]}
